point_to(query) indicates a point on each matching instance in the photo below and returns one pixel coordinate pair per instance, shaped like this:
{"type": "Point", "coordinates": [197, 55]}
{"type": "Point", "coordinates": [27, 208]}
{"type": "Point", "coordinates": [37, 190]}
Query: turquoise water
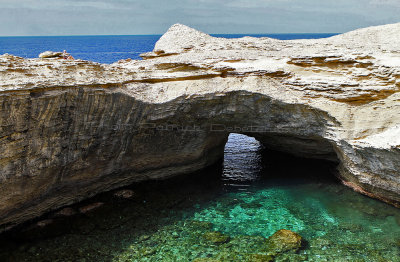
{"type": "Point", "coordinates": [247, 197]}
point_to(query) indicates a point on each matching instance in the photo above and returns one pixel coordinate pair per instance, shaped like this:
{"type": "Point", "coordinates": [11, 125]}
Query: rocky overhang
{"type": "Point", "coordinates": [72, 129]}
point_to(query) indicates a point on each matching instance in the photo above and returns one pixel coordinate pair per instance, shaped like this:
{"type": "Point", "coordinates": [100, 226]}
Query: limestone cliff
{"type": "Point", "coordinates": [71, 129]}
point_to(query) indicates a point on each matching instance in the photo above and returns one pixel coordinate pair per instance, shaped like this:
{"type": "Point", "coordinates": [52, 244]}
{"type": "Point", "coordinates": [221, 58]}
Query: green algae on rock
{"type": "Point", "coordinates": [283, 241]}
{"type": "Point", "coordinates": [201, 224]}
{"type": "Point", "coordinates": [259, 258]}
{"type": "Point", "coordinates": [216, 237]}
{"type": "Point", "coordinates": [206, 260]}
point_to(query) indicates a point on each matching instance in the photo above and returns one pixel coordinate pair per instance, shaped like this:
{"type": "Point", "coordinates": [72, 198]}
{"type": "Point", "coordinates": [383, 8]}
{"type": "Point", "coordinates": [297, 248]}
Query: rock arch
{"type": "Point", "coordinates": [97, 127]}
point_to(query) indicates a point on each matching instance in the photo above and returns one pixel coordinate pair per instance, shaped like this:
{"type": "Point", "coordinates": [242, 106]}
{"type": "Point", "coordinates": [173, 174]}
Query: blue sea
{"type": "Point", "coordinates": [104, 49]}
{"type": "Point", "coordinates": [222, 213]}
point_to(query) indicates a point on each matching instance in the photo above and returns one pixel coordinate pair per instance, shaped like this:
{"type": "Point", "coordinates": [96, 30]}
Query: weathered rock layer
{"type": "Point", "coordinates": [72, 129]}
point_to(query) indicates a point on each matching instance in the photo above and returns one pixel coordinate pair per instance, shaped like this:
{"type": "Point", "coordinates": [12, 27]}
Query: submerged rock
{"type": "Point", "coordinates": [283, 241]}
{"type": "Point", "coordinates": [200, 224]}
{"type": "Point", "coordinates": [259, 258]}
{"type": "Point", "coordinates": [147, 251]}
{"type": "Point", "coordinates": [206, 259]}
{"type": "Point", "coordinates": [72, 130]}
{"type": "Point", "coordinates": [216, 237]}
{"type": "Point", "coordinates": [43, 223]}
{"type": "Point", "coordinates": [126, 194]}
{"type": "Point", "coordinates": [66, 212]}
{"type": "Point", "coordinates": [90, 207]}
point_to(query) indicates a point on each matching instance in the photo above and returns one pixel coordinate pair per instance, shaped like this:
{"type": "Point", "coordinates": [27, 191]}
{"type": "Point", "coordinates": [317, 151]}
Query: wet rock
{"type": "Point", "coordinates": [260, 258]}
{"type": "Point", "coordinates": [216, 237]}
{"type": "Point", "coordinates": [283, 241]}
{"type": "Point", "coordinates": [125, 194]}
{"type": "Point", "coordinates": [91, 207]}
{"type": "Point", "coordinates": [65, 212]}
{"type": "Point", "coordinates": [201, 224]}
{"type": "Point", "coordinates": [205, 259]}
{"type": "Point", "coordinates": [148, 251]}
{"type": "Point", "coordinates": [44, 223]}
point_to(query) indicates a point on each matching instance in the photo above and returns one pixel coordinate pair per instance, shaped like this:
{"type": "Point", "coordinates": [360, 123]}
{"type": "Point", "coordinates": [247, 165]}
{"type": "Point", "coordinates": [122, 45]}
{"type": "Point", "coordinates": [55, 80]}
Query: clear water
{"type": "Point", "coordinates": [248, 196]}
{"type": "Point", "coordinates": [102, 49]}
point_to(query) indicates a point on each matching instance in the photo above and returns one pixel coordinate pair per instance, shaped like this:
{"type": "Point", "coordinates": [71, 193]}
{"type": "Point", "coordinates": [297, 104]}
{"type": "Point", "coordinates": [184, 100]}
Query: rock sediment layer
{"type": "Point", "coordinates": [72, 129]}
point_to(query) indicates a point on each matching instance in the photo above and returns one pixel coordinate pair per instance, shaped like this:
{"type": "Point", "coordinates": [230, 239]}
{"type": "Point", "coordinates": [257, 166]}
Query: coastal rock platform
{"type": "Point", "coordinates": [72, 129]}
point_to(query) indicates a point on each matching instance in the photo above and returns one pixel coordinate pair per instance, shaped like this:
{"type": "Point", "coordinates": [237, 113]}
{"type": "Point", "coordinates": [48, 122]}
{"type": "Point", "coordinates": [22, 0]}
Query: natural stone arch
{"type": "Point", "coordinates": [159, 140]}
{"type": "Point", "coordinates": [65, 137]}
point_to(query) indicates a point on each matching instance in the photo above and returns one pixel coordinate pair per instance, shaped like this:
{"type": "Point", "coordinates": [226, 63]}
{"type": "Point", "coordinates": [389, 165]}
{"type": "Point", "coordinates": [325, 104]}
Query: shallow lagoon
{"type": "Point", "coordinates": [247, 198]}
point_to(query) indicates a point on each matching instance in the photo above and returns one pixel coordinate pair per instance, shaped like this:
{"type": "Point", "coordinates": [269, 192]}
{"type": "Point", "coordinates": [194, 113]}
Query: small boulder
{"type": "Point", "coordinates": [283, 241]}
{"type": "Point", "coordinates": [44, 222]}
{"type": "Point", "coordinates": [125, 194]}
{"type": "Point", "coordinates": [50, 54]}
{"type": "Point", "coordinates": [88, 208]}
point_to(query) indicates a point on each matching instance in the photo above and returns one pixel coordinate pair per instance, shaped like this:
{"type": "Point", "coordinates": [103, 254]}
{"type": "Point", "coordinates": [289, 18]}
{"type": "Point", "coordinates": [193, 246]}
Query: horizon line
{"type": "Point", "coordinates": [212, 34]}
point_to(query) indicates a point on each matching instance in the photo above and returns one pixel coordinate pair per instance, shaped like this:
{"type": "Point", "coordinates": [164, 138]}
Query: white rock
{"type": "Point", "coordinates": [50, 54]}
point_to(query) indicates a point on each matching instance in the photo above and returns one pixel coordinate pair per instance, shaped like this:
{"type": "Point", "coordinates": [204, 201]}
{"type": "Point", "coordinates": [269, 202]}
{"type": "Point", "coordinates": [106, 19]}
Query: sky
{"type": "Point", "coordinates": [130, 17]}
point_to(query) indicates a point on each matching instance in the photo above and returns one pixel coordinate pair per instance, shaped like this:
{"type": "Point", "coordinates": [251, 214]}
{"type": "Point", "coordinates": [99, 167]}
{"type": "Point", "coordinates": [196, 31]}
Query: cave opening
{"type": "Point", "coordinates": [246, 197]}
{"type": "Point", "coordinates": [247, 161]}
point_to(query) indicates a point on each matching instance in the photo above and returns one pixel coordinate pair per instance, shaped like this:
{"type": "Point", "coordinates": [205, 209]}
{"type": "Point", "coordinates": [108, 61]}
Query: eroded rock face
{"type": "Point", "coordinates": [71, 129]}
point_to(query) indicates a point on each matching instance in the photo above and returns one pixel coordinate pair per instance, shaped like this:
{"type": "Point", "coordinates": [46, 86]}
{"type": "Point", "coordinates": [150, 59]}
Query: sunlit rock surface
{"type": "Point", "coordinates": [71, 129]}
